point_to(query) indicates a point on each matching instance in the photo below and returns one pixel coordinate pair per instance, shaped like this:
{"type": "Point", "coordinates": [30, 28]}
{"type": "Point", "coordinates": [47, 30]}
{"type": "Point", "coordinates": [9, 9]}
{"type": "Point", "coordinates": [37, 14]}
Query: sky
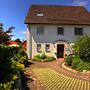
{"type": "Point", "coordinates": [13, 12]}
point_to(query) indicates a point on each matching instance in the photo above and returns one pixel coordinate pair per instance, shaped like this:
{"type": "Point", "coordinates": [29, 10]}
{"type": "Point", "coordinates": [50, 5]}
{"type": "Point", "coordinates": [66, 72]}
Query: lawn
{"type": "Point", "coordinates": [53, 80]}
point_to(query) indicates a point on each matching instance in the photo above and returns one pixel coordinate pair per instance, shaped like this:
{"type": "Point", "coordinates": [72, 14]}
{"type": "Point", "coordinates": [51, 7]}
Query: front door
{"type": "Point", "coordinates": [60, 50]}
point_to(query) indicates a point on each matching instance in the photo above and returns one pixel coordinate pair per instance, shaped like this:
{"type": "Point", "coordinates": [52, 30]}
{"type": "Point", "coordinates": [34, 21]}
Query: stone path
{"type": "Point", "coordinates": [56, 81]}
{"type": "Point", "coordinates": [55, 66]}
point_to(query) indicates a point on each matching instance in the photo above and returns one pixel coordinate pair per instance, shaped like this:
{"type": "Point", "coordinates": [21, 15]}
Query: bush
{"type": "Point", "coordinates": [9, 66]}
{"type": "Point", "coordinates": [37, 58]}
{"type": "Point", "coordinates": [75, 62]}
{"type": "Point", "coordinates": [43, 57]}
{"type": "Point", "coordinates": [79, 64]}
{"type": "Point", "coordinates": [50, 58]}
{"type": "Point", "coordinates": [82, 48]}
{"type": "Point", "coordinates": [21, 57]}
{"type": "Point", "coordinates": [6, 86]}
{"type": "Point", "coordinates": [69, 60]}
{"type": "Point", "coordinates": [5, 61]}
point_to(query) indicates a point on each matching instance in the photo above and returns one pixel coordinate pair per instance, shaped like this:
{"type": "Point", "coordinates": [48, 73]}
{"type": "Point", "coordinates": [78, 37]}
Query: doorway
{"type": "Point", "coordinates": [60, 50]}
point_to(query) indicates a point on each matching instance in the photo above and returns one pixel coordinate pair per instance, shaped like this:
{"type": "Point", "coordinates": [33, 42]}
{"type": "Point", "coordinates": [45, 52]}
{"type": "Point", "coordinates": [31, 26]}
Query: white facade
{"type": "Point", "coordinates": [50, 36]}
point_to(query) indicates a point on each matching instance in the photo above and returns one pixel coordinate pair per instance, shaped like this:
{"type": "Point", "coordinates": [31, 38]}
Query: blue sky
{"type": "Point", "coordinates": [13, 12]}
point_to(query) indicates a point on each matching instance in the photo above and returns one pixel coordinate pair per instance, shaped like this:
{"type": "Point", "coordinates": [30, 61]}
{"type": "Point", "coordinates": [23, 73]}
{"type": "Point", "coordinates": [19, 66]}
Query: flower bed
{"type": "Point", "coordinates": [43, 58]}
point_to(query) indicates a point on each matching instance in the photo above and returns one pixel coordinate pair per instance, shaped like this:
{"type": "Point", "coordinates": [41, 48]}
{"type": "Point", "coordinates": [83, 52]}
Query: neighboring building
{"type": "Point", "coordinates": [24, 45]}
{"type": "Point", "coordinates": [13, 43]}
{"type": "Point", "coordinates": [52, 29]}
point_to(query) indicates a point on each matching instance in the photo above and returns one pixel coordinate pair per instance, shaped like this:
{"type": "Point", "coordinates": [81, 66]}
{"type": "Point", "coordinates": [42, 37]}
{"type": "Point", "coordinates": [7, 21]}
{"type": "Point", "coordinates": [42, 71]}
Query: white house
{"type": "Point", "coordinates": [52, 29]}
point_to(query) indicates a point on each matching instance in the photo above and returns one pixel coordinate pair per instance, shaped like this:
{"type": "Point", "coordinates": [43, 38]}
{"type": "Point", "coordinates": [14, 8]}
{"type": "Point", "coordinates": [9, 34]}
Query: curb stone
{"type": "Point", "coordinates": [70, 69]}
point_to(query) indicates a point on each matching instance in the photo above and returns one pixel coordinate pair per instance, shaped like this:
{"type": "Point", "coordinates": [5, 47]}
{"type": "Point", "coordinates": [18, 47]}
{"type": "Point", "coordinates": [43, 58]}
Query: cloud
{"type": "Point", "coordinates": [23, 32]}
{"type": "Point", "coordinates": [79, 3]}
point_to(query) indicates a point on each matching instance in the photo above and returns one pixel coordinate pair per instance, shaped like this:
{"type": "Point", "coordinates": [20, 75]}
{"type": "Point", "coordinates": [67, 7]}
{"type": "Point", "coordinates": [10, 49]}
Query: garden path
{"type": "Point", "coordinates": [55, 66]}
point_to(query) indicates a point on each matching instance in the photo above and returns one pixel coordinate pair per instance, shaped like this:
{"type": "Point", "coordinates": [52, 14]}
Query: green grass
{"type": "Point", "coordinates": [56, 81]}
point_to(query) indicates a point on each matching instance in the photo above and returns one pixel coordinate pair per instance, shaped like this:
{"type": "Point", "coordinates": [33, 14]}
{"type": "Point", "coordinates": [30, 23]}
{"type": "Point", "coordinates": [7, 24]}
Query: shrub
{"type": "Point", "coordinates": [75, 62]}
{"type": "Point", "coordinates": [9, 66]}
{"type": "Point", "coordinates": [21, 57]}
{"type": "Point", "coordinates": [5, 61]}
{"type": "Point", "coordinates": [50, 58]}
{"type": "Point", "coordinates": [6, 86]}
{"type": "Point", "coordinates": [43, 57]}
{"type": "Point", "coordinates": [82, 48]}
{"type": "Point", "coordinates": [69, 60]}
{"type": "Point", "coordinates": [37, 58]}
{"type": "Point", "coordinates": [79, 64]}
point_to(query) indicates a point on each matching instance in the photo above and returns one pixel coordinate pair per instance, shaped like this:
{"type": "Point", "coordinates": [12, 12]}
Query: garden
{"type": "Point", "coordinates": [12, 63]}
{"type": "Point", "coordinates": [13, 60]}
{"type": "Point", "coordinates": [42, 57]}
{"type": "Point", "coordinates": [80, 60]}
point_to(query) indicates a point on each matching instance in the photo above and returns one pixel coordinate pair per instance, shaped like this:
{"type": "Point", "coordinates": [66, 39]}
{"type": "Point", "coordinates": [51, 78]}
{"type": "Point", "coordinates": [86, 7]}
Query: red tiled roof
{"type": "Point", "coordinates": [12, 42]}
{"type": "Point", "coordinates": [24, 45]}
{"type": "Point", "coordinates": [56, 14]}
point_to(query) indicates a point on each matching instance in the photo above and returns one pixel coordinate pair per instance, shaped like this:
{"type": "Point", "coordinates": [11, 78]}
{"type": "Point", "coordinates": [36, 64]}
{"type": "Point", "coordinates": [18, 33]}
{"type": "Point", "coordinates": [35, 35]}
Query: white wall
{"type": "Point", "coordinates": [50, 35]}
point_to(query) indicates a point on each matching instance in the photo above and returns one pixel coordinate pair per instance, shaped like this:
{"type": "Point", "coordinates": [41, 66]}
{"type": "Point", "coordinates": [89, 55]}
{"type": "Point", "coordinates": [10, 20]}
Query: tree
{"type": "Point", "coordinates": [18, 41]}
{"type": "Point", "coordinates": [5, 36]}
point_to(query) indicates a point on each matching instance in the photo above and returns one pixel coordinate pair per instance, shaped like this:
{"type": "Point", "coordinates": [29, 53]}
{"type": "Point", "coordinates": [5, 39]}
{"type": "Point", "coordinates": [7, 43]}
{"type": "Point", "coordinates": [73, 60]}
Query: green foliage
{"type": "Point", "coordinates": [37, 58]}
{"type": "Point", "coordinates": [6, 86]}
{"type": "Point", "coordinates": [5, 35]}
{"type": "Point", "coordinates": [82, 48]}
{"type": "Point", "coordinates": [50, 58]}
{"type": "Point", "coordinates": [21, 57]}
{"type": "Point", "coordinates": [12, 61]}
{"type": "Point", "coordinates": [80, 64]}
{"type": "Point", "coordinates": [43, 57]}
{"type": "Point", "coordinates": [69, 60]}
{"type": "Point", "coordinates": [5, 61]}
{"type": "Point", "coordinates": [75, 62]}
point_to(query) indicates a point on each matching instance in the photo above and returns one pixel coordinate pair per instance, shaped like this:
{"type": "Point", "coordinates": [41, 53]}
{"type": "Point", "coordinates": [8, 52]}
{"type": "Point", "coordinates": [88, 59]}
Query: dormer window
{"type": "Point", "coordinates": [40, 14]}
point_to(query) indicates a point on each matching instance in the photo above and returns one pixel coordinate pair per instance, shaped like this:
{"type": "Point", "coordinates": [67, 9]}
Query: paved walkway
{"type": "Point", "coordinates": [55, 65]}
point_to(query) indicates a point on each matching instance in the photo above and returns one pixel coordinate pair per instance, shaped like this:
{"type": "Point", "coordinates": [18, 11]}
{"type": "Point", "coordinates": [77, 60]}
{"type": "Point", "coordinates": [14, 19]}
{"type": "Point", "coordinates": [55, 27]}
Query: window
{"type": "Point", "coordinates": [40, 30]}
{"type": "Point", "coordinates": [38, 47]}
{"type": "Point", "coordinates": [39, 14]}
{"type": "Point", "coordinates": [60, 31]}
{"type": "Point", "coordinates": [78, 31]}
{"type": "Point", "coordinates": [47, 48]}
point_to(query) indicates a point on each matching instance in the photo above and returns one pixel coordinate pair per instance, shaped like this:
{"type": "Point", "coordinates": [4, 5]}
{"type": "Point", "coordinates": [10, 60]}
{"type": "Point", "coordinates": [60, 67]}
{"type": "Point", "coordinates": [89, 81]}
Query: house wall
{"type": "Point", "coordinates": [50, 36]}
